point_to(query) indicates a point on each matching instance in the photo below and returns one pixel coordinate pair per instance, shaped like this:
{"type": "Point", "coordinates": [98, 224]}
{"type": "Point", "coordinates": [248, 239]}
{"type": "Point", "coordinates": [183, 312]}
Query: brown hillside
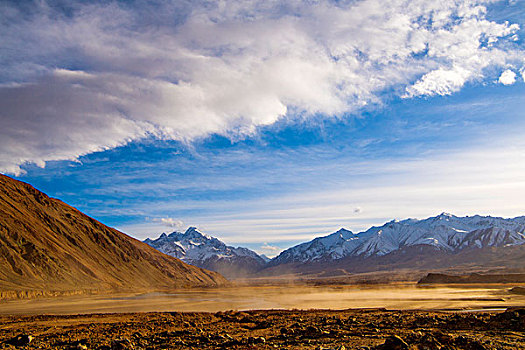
{"type": "Point", "coordinates": [47, 245]}
{"type": "Point", "coordinates": [440, 278]}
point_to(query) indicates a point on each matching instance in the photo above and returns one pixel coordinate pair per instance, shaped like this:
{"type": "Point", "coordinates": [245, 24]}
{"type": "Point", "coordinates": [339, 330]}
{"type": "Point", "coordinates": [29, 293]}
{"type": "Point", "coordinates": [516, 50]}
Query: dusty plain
{"type": "Point", "coordinates": [400, 316]}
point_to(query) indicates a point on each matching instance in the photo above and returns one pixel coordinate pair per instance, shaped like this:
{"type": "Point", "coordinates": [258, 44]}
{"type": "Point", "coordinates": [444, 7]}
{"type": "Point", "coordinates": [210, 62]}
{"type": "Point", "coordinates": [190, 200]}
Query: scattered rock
{"type": "Point", "coordinates": [20, 340]}
{"type": "Point", "coordinates": [320, 330]}
{"type": "Point", "coordinates": [256, 340]}
{"type": "Point", "coordinates": [393, 342]}
{"type": "Point", "coordinates": [262, 325]}
{"type": "Point", "coordinates": [79, 345]}
{"type": "Point", "coordinates": [469, 344]}
{"type": "Point", "coordinates": [121, 344]}
{"type": "Point", "coordinates": [312, 330]}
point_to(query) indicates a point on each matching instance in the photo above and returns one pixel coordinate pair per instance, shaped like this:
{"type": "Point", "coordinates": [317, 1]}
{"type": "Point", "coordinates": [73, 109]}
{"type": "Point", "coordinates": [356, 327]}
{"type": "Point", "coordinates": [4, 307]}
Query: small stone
{"type": "Point", "coordinates": [394, 342]}
{"type": "Point", "coordinates": [312, 330]}
{"type": "Point", "coordinates": [256, 340]}
{"type": "Point", "coordinates": [121, 344]}
{"type": "Point", "coordinates": [79, 345]}
{"type": "Point", "coordinates": [20, 340]}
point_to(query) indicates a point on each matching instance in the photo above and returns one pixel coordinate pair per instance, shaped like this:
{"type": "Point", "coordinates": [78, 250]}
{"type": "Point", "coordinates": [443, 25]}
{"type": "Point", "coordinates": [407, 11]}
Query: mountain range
{"type": "Point", "coordinates": [196, 248]}
{"type": "Point", "coordinates": [444, 232]}
{"type": "Point", "coordinates": [437, 242]}
{"type": "Point", "coordinates": [47, 247]}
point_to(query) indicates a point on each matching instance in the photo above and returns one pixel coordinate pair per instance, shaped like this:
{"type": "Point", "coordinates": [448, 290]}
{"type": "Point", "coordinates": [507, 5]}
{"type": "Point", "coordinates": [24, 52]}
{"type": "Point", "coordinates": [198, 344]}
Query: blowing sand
{"type": "Point", "coordinates": [393, 297]}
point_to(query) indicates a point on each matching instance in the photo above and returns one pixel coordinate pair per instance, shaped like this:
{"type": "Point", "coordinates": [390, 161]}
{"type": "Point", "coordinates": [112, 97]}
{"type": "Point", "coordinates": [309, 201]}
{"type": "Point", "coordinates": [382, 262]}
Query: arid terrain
{"type": "Point", "coordinates": [271, 329]}
{"type": "Point", "coordinates": [404, 316]}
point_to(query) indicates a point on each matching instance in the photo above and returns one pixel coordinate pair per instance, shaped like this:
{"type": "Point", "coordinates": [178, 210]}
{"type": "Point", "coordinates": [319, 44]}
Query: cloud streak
{"type": "Point", "coordinates": [93, 77]}
{"type": "Point", "coordinates": [486, 180]}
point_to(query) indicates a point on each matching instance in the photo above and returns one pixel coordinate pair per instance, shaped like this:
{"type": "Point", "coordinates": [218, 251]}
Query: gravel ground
{"type": "Point", "coordinates": [275, 329]}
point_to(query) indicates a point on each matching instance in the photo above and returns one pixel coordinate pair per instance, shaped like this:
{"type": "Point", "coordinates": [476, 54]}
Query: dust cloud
{"type": "Point", "coordinates": [400, 297]}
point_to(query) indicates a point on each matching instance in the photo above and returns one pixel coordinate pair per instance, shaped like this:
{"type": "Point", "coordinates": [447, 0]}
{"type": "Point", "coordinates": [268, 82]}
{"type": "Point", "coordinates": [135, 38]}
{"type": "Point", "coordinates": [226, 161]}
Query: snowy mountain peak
{"type": "Point", "coordinates": [344, 233]}
{"type": "Point", "coordinates": [333, 246]}
{"type": "Point", "coordinates": [444, 217]}
{"type": "Point", "coordinates": [445, 232]}
{"type": "Point", "coordinates": [191, 236]}
{"type": "Point", "coordinates": [194, 232]}
{"type": "Point", "coordinates": [199, 249]}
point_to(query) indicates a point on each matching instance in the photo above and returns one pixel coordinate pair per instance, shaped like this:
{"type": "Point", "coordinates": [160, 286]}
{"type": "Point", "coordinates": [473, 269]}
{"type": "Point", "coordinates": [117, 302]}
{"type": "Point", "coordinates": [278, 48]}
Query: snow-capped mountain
{"type": "Point", "coordinates": [444, 232]}
{"type": "Point", "coordinates": [196, 248]}
{"type": "Point", "coordinates": [331, 247]}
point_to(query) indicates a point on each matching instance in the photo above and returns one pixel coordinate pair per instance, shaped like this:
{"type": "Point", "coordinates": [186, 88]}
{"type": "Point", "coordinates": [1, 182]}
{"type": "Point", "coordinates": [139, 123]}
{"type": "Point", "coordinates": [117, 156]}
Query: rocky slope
{"type": "Point", "coordinates": [196, 248]}
{"type": "Point", "coordinates": [47, 246]}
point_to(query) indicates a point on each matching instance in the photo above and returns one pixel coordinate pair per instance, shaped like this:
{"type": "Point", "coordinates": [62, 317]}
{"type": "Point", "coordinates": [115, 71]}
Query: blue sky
{"type": "Point", "coordinates": [265, 124]}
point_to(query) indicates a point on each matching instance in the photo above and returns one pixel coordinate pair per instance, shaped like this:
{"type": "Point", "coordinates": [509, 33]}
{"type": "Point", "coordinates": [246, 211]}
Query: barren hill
{"type": "Point", "coordinates": [48, 246]}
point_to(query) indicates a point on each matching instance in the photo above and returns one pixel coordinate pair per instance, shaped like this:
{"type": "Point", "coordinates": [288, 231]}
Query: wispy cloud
{"type": "Point", "coordinates": [171, 223]}
{"type": "Point", "coordinates": [485, 180]}
{"type": "Point", "coordinates": [91, 77]}
{"type": "Point", "coordinates": [269, 250]}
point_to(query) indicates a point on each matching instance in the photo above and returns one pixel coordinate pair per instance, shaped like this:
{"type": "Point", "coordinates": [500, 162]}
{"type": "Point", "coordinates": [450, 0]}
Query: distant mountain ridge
{"type": "Point", "coordinates": [444, 240]}
{"type": "Point", "coordinates": [199, 249]}
{"type": "Point", "coordinates": [445, 232]}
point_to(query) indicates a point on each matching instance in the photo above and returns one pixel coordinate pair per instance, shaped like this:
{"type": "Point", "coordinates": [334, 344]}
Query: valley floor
{"type": "Point", "coordinates": [270, 329]}
{"type": "Point", "coordinates": [394, 296]}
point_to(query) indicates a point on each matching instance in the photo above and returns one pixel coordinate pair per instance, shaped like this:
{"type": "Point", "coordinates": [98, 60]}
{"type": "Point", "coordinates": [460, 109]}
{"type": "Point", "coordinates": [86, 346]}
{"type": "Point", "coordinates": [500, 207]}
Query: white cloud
{"type": "Point", "coordinates": [440, 81]}
{"type": "Point", "coordinates": [268, 247]}
{"type": "Point", "coordinates": [170, 222]}
{"type": "Point", "coordinates": [269, 250]}
{"type": "Point", "coordinates": [508, 77]}
{"type": "Point", "coordinates": [109, 74]}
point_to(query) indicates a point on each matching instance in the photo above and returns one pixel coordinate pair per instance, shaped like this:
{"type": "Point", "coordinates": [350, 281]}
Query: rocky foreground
{"type": "Point", "coordinates": [292, 329]}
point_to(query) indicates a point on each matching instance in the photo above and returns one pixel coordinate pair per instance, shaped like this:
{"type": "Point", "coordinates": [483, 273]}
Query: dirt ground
{"type": "Point", "coordinates": [269, 329]}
